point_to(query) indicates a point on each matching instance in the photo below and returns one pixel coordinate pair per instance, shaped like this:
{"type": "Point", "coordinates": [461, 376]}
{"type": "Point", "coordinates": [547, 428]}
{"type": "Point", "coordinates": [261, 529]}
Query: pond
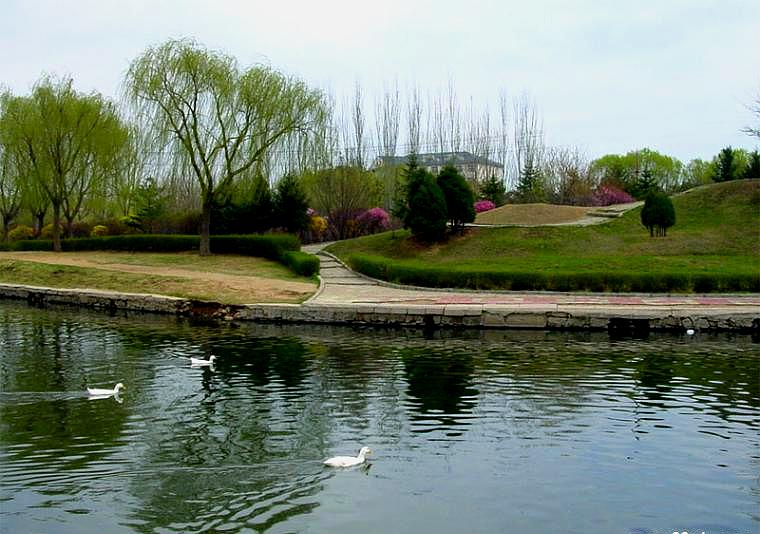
{"type": "Point", "coordinates": [473, 431]}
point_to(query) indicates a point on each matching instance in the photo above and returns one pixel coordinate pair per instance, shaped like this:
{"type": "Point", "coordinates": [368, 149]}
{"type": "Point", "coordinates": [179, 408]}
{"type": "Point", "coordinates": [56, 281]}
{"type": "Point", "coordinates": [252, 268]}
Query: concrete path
{"type": "Point", "coordinates": [341, 286]}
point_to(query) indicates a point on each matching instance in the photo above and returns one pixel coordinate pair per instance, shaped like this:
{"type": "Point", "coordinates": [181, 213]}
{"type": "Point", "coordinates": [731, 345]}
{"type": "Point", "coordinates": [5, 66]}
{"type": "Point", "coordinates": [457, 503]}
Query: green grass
{"type": "Point", "coordinates": [104, 274]}
{"type": "Point", "coordinates": [714, 246]}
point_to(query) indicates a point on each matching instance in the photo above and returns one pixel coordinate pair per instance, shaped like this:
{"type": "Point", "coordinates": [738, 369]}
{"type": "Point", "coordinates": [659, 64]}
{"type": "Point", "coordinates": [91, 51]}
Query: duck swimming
{"type": "Point", "coordinates": [349, 461]}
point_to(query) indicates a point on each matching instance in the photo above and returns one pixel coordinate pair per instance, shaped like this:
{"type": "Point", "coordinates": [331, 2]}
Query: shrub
{"type": "Point", "coordinates": [47, 231]}
{"type": "Point", "coordinates": [658, 214]}
{"type": "Point", "coordinates": [21, 232]}
{"type": "Point", "coordinates": [426, 216]}
{"type": "Point", "coordinates": [290, 205]}
{"type": "Point", "coordinates": [80, 229]}
{"type": "Point", "coordinates": [483, 205]}
{"type": "Point", "coordinates": [608, 195]}
{"type": "Point", "coordinates": [373, 220]}
{"type": "Point", "coordinates": [458, 196]}
{"type": "Point", "coordinates": [301, 262]}
{"type": "Point", "coordinates": [99, 230]}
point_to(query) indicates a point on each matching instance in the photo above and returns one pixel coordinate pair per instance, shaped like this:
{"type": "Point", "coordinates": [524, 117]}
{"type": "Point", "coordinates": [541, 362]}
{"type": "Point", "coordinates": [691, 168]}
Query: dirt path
{"type": "Point", "coordinates": [250, 288]}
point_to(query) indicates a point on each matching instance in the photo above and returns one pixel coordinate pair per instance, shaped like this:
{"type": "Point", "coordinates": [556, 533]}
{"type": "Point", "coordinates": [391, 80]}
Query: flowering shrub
{"type": "Point", "coordinates": [317, 225]}
{"type": "Point", "coordinates": [484, 205]}
{"type": "Point", "coordinates": [98, 230]}
{"type": "Point", "coordinates": [21, 232]}
{"type": "Point", "coordinates": [47, 231]}
{"type": "Point", "coordinates": [374, 220]}
{"type": "Point", "coordinates": [607, 195]}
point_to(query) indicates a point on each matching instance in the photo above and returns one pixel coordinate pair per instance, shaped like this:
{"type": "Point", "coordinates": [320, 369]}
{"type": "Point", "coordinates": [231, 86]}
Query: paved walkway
{"type": "Point", "coordinates": [341, 286]}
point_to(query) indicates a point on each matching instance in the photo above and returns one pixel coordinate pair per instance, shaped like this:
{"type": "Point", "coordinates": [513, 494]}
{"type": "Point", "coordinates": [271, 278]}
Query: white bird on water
{"type": "Point", "coordinates": [349, 461]}
{"type": "Point", "coordinates": [95, 392]}
{"type": "Point", "coordinates": [199, 362]}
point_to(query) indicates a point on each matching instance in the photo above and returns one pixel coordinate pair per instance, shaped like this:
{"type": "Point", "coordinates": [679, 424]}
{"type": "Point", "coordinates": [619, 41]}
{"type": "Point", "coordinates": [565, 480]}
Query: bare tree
{"type": "Point", "coordinates": [414, 121]}
{"type": "Point", "coordinates": [387, 118]}
{"type": "Point", "coordinates": [755, 109]}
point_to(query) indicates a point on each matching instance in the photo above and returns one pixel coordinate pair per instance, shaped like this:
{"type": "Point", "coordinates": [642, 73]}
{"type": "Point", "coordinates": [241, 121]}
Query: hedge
{"type": "Point", "coordinates": [469, 278]}
{"type": "Point", "coordinates": [283, 248]}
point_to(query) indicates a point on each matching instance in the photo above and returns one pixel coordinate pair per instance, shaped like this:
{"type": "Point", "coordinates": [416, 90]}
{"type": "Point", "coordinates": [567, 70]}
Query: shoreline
{"type": "Point", "coordinates": [536, 316]}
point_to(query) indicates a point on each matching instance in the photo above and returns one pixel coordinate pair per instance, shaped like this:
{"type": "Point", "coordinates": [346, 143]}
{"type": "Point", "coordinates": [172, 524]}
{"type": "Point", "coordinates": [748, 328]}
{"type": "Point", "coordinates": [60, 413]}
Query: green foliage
{"type": "Point", "coordinates": [624, 171]}
{"type": "Point", "coordinates": [217, 121]}
{"type": "Point", "coordinates": [725, 166]}
{"type": "Point", "coordinates": [426, 214]}
{"type": "Point", "coordinates": [290, 205]}
{"type": "Point", "coordinates": [99, 231]}
{"type": "Point", "coordinates": [713, 248]}
{"type": "Point", "coordinates": [150, 204]}
{"type": "Point", "coordinates": [284, 248]}
{"type": "Point", "coordinates": [753, 166]}
{"type": "Point", "coordinates": [66, 142]}
{"type": "Point", "coordinates": [493, 189]}
{"type": "Point", "coordinates": [531, 187]}
{"type": "Point", "coordinates": [246, 211]}
{"type": "Point", "coordinates": [458, 196]}
{"type": "Point", "coordinates": [643, 185]}
{"type": "Point", "coordinates": [21, 232]}
{"type": "Point", "coordinates": [301, 263]}
{"type": "Point", "coordinates": [658, 214]}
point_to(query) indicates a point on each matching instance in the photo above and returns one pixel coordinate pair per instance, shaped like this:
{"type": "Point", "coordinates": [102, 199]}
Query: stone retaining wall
{"type": "Point", "coordinates": [553, 317]}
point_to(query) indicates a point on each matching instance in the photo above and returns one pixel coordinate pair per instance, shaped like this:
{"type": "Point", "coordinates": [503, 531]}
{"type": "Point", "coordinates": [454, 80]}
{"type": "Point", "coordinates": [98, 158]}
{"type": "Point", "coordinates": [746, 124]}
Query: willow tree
{"type": "Point", "coordinates": [215, 120]}
{"type": "Point", "coordinates": [65, 141]}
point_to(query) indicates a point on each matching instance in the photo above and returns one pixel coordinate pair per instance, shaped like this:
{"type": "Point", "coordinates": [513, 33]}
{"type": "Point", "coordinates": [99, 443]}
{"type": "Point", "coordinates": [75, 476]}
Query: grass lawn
{"type": "Point", "coordinates": [717, 234]}
{"type": "Point", "coordinates": [530, 214]}
{"type": "Point", "coordinates": [229, 279]}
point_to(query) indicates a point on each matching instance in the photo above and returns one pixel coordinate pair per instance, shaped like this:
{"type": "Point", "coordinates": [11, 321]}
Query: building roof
{"type": "Point", "coordinates": [440, 159]}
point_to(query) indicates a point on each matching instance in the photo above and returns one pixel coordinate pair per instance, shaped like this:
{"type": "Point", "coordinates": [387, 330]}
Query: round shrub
{"type": "Point", "coordinates": [99, 230]}
{"type": "Point", "coordinates": [658, 214]}
{"type": "Point", "coordinates": [484, 205]}
{"type": "Point", "coordinates": [21, 232]}
{"type": "Point", "coordinates": [47, 231]}
{"type": "Point", "coordinates": [374, 220]}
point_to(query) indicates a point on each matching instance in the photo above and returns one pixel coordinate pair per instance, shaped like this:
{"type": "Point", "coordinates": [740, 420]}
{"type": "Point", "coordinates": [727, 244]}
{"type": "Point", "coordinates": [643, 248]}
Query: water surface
{"type": "Point", "coordinates": [529, 432]}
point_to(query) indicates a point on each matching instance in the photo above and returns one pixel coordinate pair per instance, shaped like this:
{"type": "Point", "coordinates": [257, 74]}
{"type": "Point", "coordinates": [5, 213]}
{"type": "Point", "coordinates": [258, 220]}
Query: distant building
{"type": "Point", "coordinates": [474, 168]}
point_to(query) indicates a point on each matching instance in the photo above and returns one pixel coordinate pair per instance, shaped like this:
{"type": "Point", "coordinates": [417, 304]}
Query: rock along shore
{"type": "Point", "coordinates": [560, 312]}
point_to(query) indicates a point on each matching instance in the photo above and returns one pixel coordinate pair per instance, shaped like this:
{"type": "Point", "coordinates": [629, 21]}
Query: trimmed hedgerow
{"type": "Point", "coordinates": [601, 281]}
{"type": "Point", "coordinates": [277, 247]}
{"type": "Point", "coordinates": [301, 262]}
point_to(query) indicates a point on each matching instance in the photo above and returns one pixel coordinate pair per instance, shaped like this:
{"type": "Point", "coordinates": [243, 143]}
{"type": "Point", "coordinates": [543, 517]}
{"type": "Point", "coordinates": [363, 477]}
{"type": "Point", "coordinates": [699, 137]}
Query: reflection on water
{"type": "Point", "coordinates": [476, 431]}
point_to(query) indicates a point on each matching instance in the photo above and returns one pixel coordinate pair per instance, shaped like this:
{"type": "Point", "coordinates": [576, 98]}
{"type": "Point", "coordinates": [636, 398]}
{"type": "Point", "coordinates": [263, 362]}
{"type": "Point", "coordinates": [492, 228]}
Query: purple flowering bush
{"type": "Point", "coordinates": [484, 205]}
{"type": "Point", "coordinates": [373, 220]}
{"type": "Point", "coordinates": [607, 195]}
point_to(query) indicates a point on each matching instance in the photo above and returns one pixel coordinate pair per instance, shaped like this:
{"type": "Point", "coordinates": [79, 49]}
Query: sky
{"type": "Point", "coordinates": [607, 76]}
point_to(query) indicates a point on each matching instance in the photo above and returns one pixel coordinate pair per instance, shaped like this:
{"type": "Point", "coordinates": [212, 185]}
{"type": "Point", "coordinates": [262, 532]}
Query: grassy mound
{"type": "Point", "coordinates": [531, 214]}
{"type": "Point", "coordinates": [714, 246]}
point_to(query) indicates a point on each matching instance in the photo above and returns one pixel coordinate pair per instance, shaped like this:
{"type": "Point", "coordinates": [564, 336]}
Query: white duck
{"type": "Point", "coordinates": [349, 461]}
{"type": "Point", "coordinates": [95, 392]}
{"type": "Point", "coordinates": [199, 362]}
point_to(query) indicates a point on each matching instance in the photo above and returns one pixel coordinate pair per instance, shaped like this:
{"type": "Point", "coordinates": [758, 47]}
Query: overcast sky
{"type": "Point", "coordinates": [608, 76]}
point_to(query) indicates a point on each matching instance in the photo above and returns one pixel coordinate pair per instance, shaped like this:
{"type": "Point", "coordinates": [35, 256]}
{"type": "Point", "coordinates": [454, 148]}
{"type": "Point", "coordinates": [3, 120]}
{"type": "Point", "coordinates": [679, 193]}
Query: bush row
{"type": "Point", "coordinates": [634, 282]}
{"type": "Point", "coordinates": [284, 248]}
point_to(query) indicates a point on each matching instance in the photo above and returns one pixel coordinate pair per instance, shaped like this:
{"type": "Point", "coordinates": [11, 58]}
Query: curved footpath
{"type": "Point", "coordinates": [345, 297]}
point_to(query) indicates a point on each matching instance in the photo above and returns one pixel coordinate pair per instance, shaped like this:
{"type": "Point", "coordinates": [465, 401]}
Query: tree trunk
{"type": "Point", "coordinates": [39, 221]}
{"type": "Point", "coordinates": [205, 249]}
{"type": "Point", "coordinates": [57, 228]}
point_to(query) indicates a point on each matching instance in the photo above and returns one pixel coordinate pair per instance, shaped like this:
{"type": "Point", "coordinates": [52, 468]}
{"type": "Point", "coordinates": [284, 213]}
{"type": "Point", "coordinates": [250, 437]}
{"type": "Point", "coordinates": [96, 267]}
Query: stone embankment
{"type": "Point", "coordinates": [347, 298]}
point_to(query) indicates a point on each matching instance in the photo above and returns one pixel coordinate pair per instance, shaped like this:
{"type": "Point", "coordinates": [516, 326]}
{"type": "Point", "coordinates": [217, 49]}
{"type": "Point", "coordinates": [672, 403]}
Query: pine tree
{"type": "Point", "coordinates": [290, 205]}
{"type": "Point", "coordinates": [531, 185]}
{"type": "Point", "coordinates": [725, 166]}
{"type": "Point", "coordinates": [460, 200]}
{"type": "Point", "coordinates": [494, 191]}
{"type": "Point", "coordinates": [753, 168]}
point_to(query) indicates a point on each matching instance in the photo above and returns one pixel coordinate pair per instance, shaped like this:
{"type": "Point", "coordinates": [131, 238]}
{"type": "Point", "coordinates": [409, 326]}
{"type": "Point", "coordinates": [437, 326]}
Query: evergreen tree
{"type": "Point", "coordinates": [531, 185]}
{"type": "Point", "coordinates": [425, 208]}
{"type": "Point", "coordinates": [725, 166]}
{"type": "Point", "coordinates": [494, 191]}
{"type": "Point", "coordinates": [290, 205]}
{"type": "Point", "coordinates": [459, 197]}
{"type": "Point", "coordinates": [658, 214]}
{"type": "Point", "coordinates": [645, 183]}
{"type": "Point", "coordinates": [753, 167]}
